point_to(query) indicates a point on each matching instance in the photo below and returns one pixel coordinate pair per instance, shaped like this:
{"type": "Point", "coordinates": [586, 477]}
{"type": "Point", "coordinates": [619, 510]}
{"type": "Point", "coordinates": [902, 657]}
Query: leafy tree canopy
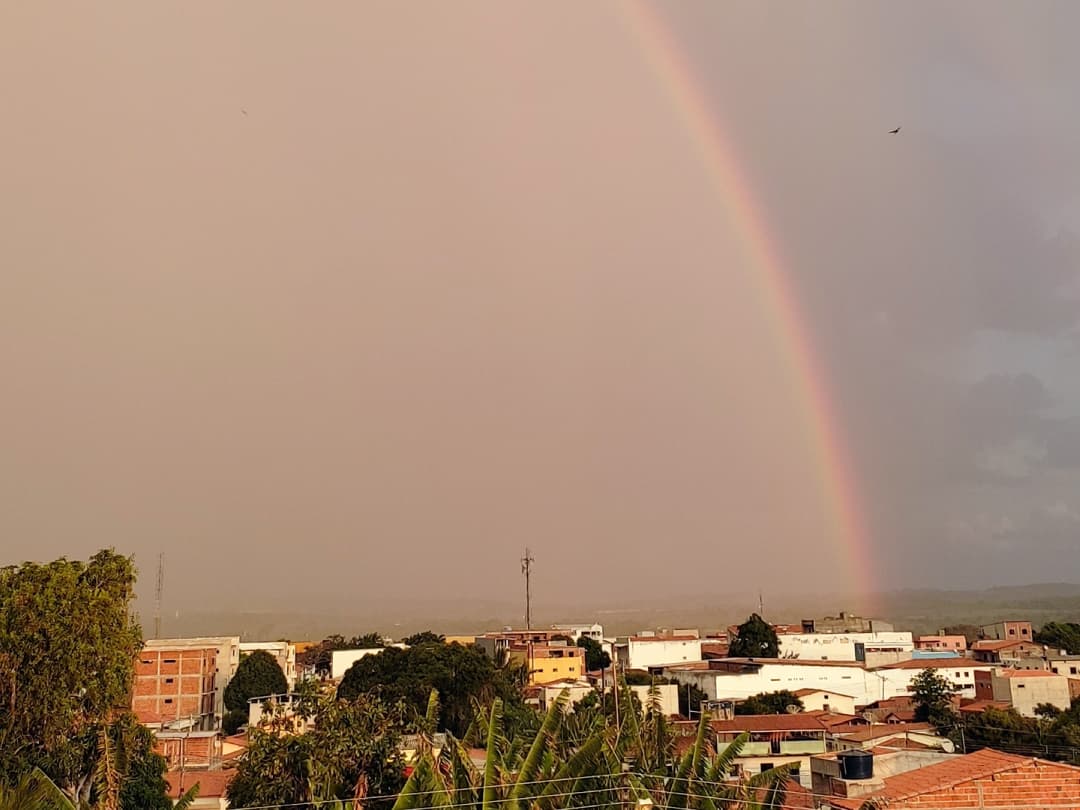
{"type": "Point", "coordinates": [461, 675]}
{"type": "Point", "coordinates": [596, 657]}
{"type": "Point", "coordinates": [259, 675]}
{"type": "Point", "coordinates": [353, 742]}
{"type": "Point", "coordinates": [755, 638]}
{"type": "Point", "coordinates": [1060, 636]}
{"type": "Point", "coordinates": [769, 703]}
{"type": "Point", "coordinates": [68, 644]}
{"type": "Point", "coordinates": [932, 694]}
{"type": "Point", "coordinates": [426, 637]}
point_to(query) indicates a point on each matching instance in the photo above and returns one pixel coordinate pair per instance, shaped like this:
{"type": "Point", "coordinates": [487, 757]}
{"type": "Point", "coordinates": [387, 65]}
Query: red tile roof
{"type": "Point", "coordinates": [212, 784]}
{"type": "Point", "coordinates": [941, 776]}
{"type": "Point", "coordinates": [980, 706]}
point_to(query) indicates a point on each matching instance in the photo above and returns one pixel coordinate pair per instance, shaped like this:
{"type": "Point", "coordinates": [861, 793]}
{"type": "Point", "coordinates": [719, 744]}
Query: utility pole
{"type": "Point", "coordinates": [526, 569]}
{"type": "Point", "coordinates": [158, 589]}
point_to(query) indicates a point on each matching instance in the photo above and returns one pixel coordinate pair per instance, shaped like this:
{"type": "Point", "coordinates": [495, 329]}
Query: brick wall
{"type": "Point", "coordinates": [1033, 785]}
{"type": "Point", "coordinates": [174, 684]}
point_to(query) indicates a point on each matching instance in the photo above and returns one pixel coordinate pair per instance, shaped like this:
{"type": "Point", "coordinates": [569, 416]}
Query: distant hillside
{"type": "Point", "coordinates": [921, 611]}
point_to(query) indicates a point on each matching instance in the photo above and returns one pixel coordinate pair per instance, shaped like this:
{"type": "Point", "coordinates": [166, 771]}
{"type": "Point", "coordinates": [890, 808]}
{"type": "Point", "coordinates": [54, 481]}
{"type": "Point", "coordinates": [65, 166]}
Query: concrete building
{"type": "Point", "coordinates": [1012, 653]}
{"type": "Point", "coordinates": [667, 695]}
{"type": "Point", "coordinates": [181, 682]}
{"type": "Point", "coordinates": [828, 778]}
{"type": "Point", "coordinates": [576, 631]}
{"type": "Point", "coordinates": [1007, 631]}
{"type": "Point", "coordinates": [262, 710]}
{"type": "Point", "coordinates": [1023, 689]}
{"type": "Point", "coordinates": [821, 700]}
{"type": "Point", "coordinates": [497, 645]}
{"type": "Point", "coordinates": [189, 749]}
{"type": "Point", "coordinates": [548, 663]}
{"type": "Point", "coordinates": [845, 646]}
{"type": "Point", "coordinates": [845, 623]}
{"type": "Point", "coordinates": [941, 643]}
{"type": "Point", "coordinates": [645, 652]}
{"type": "Point", "coordinates": [283, 651]}
{"type": "Point", "coordinates": [1061, 663]}
{"type": "Point", "coordinates": [960, 672]}
{"type": "Point", "coordinates": [735, 678]}
{"type": "Point", "coordinates": [775, 740]}
{"type": "Point", "coordinates": [738, 678]}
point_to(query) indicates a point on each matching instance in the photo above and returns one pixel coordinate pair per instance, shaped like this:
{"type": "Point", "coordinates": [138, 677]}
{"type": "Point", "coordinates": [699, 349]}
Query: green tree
{"type": "Point", "coordinates": [1060, 636]}
{"type": "Point", "coordinates": [354, 748]}
{"type": "Point", "coordinates": [426, 637]}
{"type": "Point", "coordinates": [367, 641]}
{"type": "Point", "coordinates": [258, 675]}
{"type": "Point", "coordinates": [68, 644]}
{"type": "Point", "coordinates": [755, 638]}
{"type": "Point", "coordinates": [596, 657]}
{"type": "Point", "coordinates": [932, 695]}
{"type": "Point", "coordinates": [769, 703]}
{"type": "Point", "coordinates": [461, 675]}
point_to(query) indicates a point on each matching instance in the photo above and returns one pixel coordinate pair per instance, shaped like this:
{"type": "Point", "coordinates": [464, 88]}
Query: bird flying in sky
{"type": "Point", "coordinates": [894, 131]}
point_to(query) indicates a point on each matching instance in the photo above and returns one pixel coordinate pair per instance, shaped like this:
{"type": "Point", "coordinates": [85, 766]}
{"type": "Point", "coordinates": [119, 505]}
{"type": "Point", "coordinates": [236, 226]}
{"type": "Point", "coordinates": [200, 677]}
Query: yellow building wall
{"type": "Point", "coordinates": [544, 670]}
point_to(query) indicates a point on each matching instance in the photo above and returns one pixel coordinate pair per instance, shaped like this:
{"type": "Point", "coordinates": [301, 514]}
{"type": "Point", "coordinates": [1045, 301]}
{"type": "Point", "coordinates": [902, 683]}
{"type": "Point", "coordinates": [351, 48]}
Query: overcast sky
{"type": "Point", "coordinates": [365, 297]}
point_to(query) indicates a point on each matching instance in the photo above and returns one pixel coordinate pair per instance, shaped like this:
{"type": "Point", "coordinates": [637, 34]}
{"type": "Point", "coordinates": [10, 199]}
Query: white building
{"type": "Point", "coordinates": [667, 694]}
{"type": "Point", "coordinates": [736, 678]}
{"type": "Point", "coordinates": [960, 672]}
{"type": "Point", "coordinates": [643, 652]}
{"type": "Point", "coordinates": [341, 660]}
{"type": "Point", "coordinates": [1026, 689]}
{"type": "Point", "coordinates": [576, 631]}
{"type": "Point", "coordinates": [284, 653]}
{"type": "Point", "coordinates": [821, 700]}
{"type": "Point", "coordinates": [843, 646]}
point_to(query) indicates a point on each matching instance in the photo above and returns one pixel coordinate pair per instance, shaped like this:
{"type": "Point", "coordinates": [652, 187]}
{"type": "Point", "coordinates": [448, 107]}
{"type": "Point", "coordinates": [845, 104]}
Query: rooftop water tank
{"type": "Point", "coordinates": [856, 764]}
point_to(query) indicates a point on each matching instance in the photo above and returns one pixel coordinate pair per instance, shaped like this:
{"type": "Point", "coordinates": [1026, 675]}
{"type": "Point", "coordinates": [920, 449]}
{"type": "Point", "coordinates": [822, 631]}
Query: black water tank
{"type": "Point", "coordinates": [856, 764]}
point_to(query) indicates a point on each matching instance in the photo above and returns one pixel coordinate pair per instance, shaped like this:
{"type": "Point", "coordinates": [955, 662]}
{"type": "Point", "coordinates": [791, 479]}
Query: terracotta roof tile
{"type": "Point", "coordinates": [212, 784]}
{"type": "Point", "coordinates": [941, 776]}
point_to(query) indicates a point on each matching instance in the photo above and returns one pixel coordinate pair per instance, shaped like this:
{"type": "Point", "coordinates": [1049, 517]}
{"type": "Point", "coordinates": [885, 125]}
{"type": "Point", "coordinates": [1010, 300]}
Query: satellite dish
{"type": "Point", "coordinates": [948, 747]}
{"type": "Point", "coordinates": [791, 708]}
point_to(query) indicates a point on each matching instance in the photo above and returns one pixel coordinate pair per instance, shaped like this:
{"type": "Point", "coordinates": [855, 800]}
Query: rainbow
{"type": "Point", "coordinates": [677, 79]}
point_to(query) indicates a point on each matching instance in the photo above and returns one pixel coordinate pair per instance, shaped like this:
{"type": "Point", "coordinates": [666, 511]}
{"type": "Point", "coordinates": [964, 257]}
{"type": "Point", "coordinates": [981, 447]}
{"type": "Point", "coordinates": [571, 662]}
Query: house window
{"type": "Point", "coordinates": [1012, 631]}
{"type": "Point", "coordinates": [168, 700]}
{"type": "Point", "coordinates": [1072, 670]}
{"type": "Point", "coordinates": [766, 766]}
{"type": "Point", "coordinates": [169, 661]}
{"type": "Point", "coordinates": [1021, 685]}
{"type": "Point", "coordinates": [168, 680]}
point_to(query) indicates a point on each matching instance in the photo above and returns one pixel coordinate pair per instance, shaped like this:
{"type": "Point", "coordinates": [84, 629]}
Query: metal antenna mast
{"type": "Point", "coordinates": [159, 588]}
{"type": "Point", "coordinates": [526, 569]}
